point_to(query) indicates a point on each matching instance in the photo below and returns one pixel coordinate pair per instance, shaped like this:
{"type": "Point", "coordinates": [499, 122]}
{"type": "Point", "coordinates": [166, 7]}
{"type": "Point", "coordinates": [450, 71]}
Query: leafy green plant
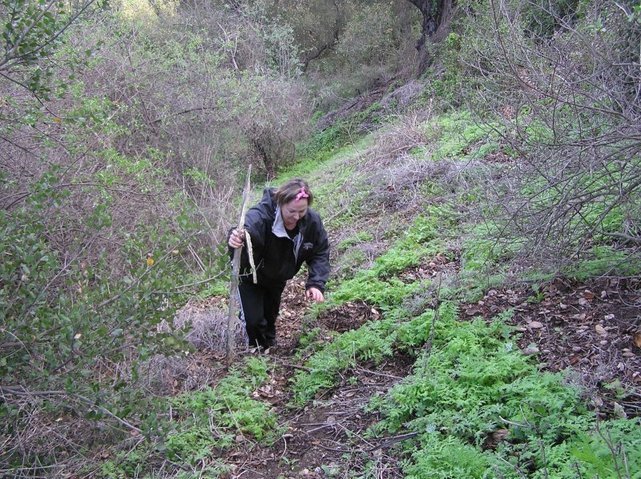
{"type": "Point", "coordinates": [611, 450]}
{"type": "Point", "coordinates": [601, 260]}
{"type": "Point", "coordinates": [211, 418]}
{"type": "Point", "coordinates": [458, 135]}
{"type": "Point", "coordinates": [474, 382]}
{"type": "Point", "coordinates": [370, 343]}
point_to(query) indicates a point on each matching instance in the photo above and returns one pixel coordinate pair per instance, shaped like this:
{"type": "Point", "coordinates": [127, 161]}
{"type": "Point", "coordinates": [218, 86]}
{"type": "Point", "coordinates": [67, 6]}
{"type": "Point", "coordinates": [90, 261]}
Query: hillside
{"type": "Point", "coordinates": [417, 366]}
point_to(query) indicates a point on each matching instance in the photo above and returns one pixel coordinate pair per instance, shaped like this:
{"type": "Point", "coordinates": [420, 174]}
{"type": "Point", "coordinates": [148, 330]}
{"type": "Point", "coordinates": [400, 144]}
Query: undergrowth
{"type": "Point", "coordinates": [474, 384]}
{"type": "Point", "coordinates": [378, 286]}
{"type": "Point", "coordinates": [476, 405]}
{"type": "Point", "coordinates": [194, 427]}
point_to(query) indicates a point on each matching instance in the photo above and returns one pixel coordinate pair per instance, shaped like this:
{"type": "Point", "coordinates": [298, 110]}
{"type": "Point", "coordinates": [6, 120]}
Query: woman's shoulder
{"type": "Point", "coordinates": [314, 219]}
{"type": "Point", "coordinates": [312, 214]}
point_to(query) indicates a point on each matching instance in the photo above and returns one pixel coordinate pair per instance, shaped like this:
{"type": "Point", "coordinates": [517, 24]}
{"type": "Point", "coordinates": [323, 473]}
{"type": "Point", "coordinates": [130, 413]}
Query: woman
{"type": "Point", "coordinates": [285, 232]}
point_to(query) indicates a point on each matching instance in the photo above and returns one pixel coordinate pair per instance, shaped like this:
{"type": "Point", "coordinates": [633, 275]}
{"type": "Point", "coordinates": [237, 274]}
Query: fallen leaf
{"type": "Point", "coordinates": [535, 325]}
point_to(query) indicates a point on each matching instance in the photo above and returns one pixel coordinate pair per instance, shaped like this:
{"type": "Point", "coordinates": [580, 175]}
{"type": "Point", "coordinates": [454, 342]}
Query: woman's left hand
{"type": "Point", "coordinates": [315, 294]}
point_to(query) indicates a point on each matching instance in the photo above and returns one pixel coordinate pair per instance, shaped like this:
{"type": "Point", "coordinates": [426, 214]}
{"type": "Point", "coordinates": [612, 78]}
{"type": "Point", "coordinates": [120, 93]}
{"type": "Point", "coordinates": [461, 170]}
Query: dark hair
{"type": "Point", "coordinates": [290, 191]}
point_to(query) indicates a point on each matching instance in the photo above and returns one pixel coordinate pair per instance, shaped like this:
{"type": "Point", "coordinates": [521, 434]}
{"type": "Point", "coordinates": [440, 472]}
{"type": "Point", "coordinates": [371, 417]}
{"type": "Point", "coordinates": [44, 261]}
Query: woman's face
{"type": "Point", "coordinates": [293, 211]}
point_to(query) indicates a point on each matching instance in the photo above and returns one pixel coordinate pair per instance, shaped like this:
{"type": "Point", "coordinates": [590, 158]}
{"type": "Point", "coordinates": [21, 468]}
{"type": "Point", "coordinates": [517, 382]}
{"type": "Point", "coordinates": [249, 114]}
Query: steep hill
{"type": "Point", "coordinates": [429, 359]}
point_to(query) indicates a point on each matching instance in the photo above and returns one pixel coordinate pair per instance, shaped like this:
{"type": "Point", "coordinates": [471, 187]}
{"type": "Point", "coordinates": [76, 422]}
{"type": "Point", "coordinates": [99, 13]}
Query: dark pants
{"type": "Point", "coordinates": [260, 308]}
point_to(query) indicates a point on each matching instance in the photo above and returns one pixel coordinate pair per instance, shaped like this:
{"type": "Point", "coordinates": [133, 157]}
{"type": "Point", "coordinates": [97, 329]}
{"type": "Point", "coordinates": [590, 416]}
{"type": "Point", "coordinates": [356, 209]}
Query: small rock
{"type": "Point", "coordinates": [535, 325]}
{"type": "Point", "coordinates": [600, 330]}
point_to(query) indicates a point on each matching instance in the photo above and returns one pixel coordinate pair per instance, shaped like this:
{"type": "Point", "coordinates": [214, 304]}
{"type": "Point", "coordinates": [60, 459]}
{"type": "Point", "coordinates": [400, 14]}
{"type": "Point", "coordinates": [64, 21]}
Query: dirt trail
{"type": "Point", "coordinates": [321, 437]}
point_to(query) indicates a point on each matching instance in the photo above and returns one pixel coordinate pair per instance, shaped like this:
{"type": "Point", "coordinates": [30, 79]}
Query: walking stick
{"type": "Point", "coordinates": [235, 271]}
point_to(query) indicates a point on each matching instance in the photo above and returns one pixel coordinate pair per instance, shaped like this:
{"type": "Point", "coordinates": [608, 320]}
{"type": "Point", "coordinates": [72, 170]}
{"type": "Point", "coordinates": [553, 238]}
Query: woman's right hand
{"type": "Point", "coordinates": [236, 238]}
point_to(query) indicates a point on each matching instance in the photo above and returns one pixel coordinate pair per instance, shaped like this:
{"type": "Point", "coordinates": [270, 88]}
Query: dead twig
{"type": "Point", "coordinates": [22, 392]}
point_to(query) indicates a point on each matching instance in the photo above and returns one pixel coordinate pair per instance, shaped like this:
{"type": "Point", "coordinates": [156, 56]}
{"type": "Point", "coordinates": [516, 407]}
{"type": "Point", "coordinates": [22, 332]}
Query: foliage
{"type": "Point", "coordinates": [203, 423]}
{"type": "Point", "coordinates": [214, 416]}
{"type": "Point", "coordinates": [364, 45]}
{"type": "Point", "coordinates": [603, 260]}
{"type": "Point", "coordinates": [609, 450]}
{"type": "Point", "coordinates": [30, 36]}
{"type": "Point", "coordinates": [446, 80]}
{"type": "Point", "coordinates": [485, 258]}
{"type": "Point", "coordinates": [118, 180]}
{"type": "Point", "coordinates": [374, 341]}
{"type": "Point", "coordinates": [576, 184]}
{"type": "Point", "coordinates": [95, 256]}
{"type": "Point", "coordinates": [378, 284]}
{"type": "Point", "coordinates": [472, 383]}
{"type": "Point", "coordinates": [370, 343]}
{"type": "Point", "coordinates": [458, 135]}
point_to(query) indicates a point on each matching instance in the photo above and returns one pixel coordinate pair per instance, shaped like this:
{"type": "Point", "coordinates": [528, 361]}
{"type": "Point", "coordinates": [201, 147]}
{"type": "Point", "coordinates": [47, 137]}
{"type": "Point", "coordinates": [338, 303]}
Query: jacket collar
{"type": "Point", "coordinates": [278, 228]}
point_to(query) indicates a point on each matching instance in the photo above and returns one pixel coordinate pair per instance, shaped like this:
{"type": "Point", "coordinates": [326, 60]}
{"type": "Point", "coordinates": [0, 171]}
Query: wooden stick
{"type": "Point", "coordinates": [250, 254]}
{"type": "Point", "coordinates": [235, 267]}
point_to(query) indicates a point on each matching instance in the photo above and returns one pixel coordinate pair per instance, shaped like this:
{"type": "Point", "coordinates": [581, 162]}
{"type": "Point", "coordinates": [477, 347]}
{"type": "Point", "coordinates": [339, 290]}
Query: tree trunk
{"type": "Point", "coordinates": [436, 16]}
